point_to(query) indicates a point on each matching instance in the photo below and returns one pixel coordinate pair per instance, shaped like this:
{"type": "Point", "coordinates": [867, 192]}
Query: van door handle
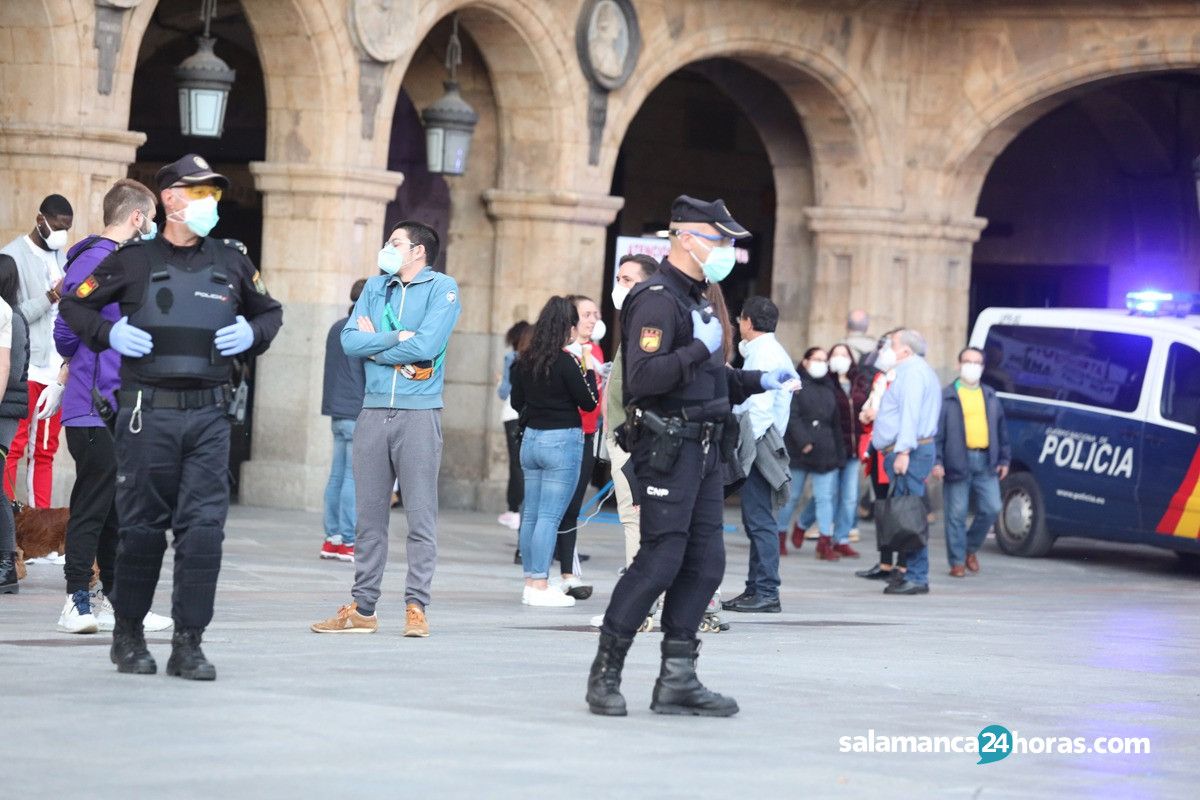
{"type": "Point", "coordinates": [1036, 416]}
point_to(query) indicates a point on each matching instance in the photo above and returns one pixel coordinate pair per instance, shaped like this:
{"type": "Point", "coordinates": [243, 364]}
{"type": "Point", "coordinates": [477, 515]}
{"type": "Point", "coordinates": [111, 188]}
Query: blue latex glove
{"type": "Point", "coordinates": [129, 340]}
{"type": "Point", "coordinates": [708, 332]}
{"type": "Point", "coordinates": [235, 338]}
{"type": "Point", "coordinates": [776, 378]}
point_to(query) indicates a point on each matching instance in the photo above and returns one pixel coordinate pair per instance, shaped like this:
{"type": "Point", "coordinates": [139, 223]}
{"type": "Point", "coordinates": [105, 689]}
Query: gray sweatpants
{"type": "Point", "coordinates": [389, 445]}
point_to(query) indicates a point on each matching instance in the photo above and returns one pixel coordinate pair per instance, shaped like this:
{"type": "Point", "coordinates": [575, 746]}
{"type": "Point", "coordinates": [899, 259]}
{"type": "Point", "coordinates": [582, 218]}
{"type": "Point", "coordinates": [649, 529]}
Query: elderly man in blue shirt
{"type": "Point", "coordinates": [904, 432]}
{"type": "Point", "coordinates": [762, 351]}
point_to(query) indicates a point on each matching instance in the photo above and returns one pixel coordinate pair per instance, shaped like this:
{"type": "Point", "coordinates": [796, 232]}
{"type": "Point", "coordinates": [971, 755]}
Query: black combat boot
{"type": "Point", "coordinates": [8, 573]}
{"type": "Point", "coordinates": [679, 691]}
{"type": "Point", "coordinates": [187, 659]}
{"type": "Point", "coordinates": [604, 681]}
{"type": "Point", "coordinates": [129, 651]}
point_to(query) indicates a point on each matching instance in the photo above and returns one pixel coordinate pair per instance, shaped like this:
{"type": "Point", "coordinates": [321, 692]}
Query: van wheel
{"type": "Point", "coordinates": [1021, 526]}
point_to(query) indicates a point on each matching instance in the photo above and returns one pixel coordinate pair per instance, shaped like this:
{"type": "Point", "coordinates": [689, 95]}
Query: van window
{"type": "Point", "coordinates": [1095, 368]}
{"type": "Point", "coordinates": [1181, 389]}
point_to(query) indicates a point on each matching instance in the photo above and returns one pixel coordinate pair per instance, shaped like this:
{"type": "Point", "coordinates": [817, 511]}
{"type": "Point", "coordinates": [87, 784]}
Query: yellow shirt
{"type": "Point", "coordinates": [974, 415]}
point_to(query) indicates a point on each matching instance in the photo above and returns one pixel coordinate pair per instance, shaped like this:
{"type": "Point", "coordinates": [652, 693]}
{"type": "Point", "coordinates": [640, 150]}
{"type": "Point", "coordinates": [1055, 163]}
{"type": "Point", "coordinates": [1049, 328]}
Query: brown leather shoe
{"type": "Point", "coordinates": [957, 571]}
{"type": "Point", "coordinates": [415, 624]}
{"type": "Point", "coordinates": [972, 562]}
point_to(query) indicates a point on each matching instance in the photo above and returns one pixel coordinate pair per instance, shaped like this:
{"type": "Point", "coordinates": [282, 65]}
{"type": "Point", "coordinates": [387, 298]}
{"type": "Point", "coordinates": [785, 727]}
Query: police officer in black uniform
{"type": "Point", "coordinates": [189, 304]}
{"type": "Point", "coordinates": [678, 394]}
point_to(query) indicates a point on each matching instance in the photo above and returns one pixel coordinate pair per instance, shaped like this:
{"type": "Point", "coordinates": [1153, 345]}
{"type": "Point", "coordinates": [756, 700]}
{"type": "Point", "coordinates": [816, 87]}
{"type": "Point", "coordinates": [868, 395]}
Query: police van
{"type": "Point", "coordinates": [1103, 408]}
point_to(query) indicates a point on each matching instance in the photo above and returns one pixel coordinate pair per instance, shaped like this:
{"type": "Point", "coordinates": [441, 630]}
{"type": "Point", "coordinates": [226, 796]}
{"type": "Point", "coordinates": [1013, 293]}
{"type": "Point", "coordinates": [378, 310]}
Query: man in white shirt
{"type": "Point", "coordinates": [762, 351]}
{"type": "Point", "coordinates": [40, 257]}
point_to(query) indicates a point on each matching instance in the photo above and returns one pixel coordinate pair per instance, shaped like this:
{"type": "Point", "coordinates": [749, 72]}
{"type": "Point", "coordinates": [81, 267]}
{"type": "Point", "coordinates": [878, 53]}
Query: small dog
{"type": "Point", "coordinates": [40, 531]}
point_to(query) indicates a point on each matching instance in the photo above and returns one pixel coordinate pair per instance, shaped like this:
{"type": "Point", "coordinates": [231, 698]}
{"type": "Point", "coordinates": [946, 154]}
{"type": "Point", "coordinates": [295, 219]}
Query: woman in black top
{"type": "Point", "coordinates": [549, 387]}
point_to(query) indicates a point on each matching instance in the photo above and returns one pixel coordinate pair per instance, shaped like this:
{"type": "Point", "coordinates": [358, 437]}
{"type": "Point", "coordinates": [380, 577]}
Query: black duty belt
{"type": "Point", "coordinates": [178, 399]}
{"type": "Point", "coordinates": [695, 431]}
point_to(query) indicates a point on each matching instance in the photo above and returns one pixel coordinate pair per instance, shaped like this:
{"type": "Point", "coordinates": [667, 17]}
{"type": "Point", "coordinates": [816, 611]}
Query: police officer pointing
{"type": "Point", "coordinates": [189, 304]}
{"type": "Point", "coordinates": [678, 394]}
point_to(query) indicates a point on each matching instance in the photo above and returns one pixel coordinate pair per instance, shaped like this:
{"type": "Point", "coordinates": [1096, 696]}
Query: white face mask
{"type": "Point", "coordinates": [599, 331]}
{"type": "Point", "coordinates": [886, 360]}
{"type": "Point", "coordinates": [619, 293]}
{"type": "Point", "coordinates": [56, 240]}
{"type": "Point", "coordinates": [971, 373]}
{"type": "Point", "coordinates": [742, 347]}
{"type": "Point", "coordinates": [839, 364]}
{"type": "Point", "coordinates": [818, 369]}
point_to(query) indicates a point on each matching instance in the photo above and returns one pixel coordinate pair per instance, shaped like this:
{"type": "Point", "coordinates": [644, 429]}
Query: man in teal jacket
{"type": "Point", "coordinates": [401, 324]}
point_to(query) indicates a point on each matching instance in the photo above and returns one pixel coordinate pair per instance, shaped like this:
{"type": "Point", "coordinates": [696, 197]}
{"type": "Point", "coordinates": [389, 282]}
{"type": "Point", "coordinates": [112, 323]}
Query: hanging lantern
{"type": "Point", "coordinates": [204, 81]}
{"type": "Point", "coordinates": [450, 121]}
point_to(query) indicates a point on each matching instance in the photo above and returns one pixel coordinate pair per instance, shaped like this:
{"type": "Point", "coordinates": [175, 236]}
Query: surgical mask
{"type": "Point", "coordinates": [886, 359]}
{"type": "Point", "coordinates": [971, 373]}
{"type": "Point", "coordinates": [818, 369]}
{"type": "Point", "coordinates": [389, 259]}
{"type": "Point", "coordinates": [839, 364]}
{"type": "Point", "coordinates": [619, 293]}
{"type": "Point", "coordinates": [55, 240]}
{"type": "Point", "coordinates": [151, 230]}
{"type": "Point", "coordinates": [743, 347]}
{"type": "Point", "coordinates": [599, 331]}
{"type": "Point", "coordinates": [200, 216]}
{"type": "Point", "coordinates": [718, 263]}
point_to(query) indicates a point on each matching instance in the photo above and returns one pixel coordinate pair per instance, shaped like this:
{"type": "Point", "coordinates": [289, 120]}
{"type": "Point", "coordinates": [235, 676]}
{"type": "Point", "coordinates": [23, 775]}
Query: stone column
{"type": "Point", "coordinates": [546, 243]}
{"type": "Point", "coordinates": [903, 269]}
{"type": "Point", "coordinates": [321, 232]}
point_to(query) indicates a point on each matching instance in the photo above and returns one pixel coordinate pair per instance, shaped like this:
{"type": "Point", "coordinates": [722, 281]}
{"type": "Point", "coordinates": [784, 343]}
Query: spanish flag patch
{"type": "Point", "coordinates": [87, 287]}
{"type": "Point", "coordinates": [650, 340]}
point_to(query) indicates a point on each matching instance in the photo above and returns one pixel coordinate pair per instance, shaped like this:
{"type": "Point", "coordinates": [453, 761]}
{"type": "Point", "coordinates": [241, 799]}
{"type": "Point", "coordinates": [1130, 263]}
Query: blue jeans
{"type": "Point", "coordinates": [763, 577]}
{"type": "Point", "coordinates": [340, 514]}
{"type": "Point", "coordinates": [845, 504]}
{"type": "Point", "coordinates": [920, 465]}
{"type": "Point", "coordinates": [824, 492]}
{"type": "Point", "coordinates": [550, 460]}
{"type": "Point", "coordinates": [984, 484]}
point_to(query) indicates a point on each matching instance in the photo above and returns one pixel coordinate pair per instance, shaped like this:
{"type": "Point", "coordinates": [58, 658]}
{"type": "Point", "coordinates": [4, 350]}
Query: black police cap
{"type": "Point", "coordinates": [189, 169]}
{"type": "Point", "coordinates": [689, 209]}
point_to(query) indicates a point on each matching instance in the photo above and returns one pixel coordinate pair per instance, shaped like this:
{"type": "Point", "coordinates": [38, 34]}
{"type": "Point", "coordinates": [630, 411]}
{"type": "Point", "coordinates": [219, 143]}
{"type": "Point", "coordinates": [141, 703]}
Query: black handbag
{"type": "Point", "coordinates": [901, 523]}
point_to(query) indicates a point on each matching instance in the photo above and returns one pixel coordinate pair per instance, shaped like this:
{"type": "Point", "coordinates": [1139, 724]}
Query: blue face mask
{"type": "Point", "coordinates": [389, 259]}
{"type": "Point", "coordinates": [150, 232]}
{"type": "Point", "coordinates": [718, 263]}
{"type": "Point", "coordinates": [201, 216]}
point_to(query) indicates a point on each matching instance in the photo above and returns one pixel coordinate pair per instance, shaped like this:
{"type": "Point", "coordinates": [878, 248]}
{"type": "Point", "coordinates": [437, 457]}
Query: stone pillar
{"type": "Point", "coordinates": [904, 270]}
{"type": "Point", "coordinates": [321, 232]}
{"type": "Point", "coordinates": [546, 243]}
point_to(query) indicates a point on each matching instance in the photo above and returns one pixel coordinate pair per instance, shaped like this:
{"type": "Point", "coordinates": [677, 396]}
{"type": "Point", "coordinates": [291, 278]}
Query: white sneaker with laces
{"type": "Point", "coordinates": [76, 616]}
{"type": "Point", "coordinates": [550, 597]}
{"type": "Point", "coordinates": [106, 618]}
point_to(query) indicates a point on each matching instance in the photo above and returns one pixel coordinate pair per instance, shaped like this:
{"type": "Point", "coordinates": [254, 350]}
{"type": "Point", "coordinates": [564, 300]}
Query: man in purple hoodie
{"type": "Point", "coordinates": [88, 399]}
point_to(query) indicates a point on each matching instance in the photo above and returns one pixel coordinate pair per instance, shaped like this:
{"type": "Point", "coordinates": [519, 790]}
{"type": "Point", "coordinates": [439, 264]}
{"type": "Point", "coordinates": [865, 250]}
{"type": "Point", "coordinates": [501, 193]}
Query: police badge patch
{"type": "Point", "coordinates": [650, 340]}
{"type": "Point", "coordinates": [259, 286]}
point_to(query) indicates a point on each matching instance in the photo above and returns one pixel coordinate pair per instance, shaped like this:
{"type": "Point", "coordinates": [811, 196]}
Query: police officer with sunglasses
{"type": "Point", "coordinates": [678, 395]}
{"type": "Point", "coordinates": [189, 305]}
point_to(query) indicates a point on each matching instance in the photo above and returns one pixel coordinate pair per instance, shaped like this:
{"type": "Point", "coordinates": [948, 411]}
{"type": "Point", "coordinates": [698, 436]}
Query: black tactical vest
{"type": "Point", "coordinates": [182, 310]}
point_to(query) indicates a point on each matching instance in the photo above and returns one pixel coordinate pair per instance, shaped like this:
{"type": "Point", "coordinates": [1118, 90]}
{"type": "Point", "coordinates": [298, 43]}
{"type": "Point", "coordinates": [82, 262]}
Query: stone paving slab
{"type": "Point", "coordinates": [1093, 640]}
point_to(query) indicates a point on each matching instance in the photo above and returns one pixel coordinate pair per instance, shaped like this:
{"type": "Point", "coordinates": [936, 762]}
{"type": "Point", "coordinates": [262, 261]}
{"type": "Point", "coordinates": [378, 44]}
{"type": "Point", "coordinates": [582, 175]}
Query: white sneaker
{"type": "Point", "coordinates": [574, 587]}
{"type": "Point", "coordinates": [813, 533]}
{"type": "Point", "coordinates": [854, 534]}
{"type": "Point", "coordinates": [547, 598]}
{"type": "Point", "coordinates": [102, 609]}
{"type": "Point", "coordinates": [156, 622]}
{"type": "Point", "coordinates": [77, 617]}
{"type": "Point", "coordinates": [510, 520]}
{"type": "Point", "coordinates": [596, 621]}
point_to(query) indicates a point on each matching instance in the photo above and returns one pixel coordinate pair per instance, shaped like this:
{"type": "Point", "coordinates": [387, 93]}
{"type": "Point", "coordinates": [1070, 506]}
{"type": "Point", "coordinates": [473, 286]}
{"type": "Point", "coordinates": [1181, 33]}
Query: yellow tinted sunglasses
{"type": "Point", "coordinates": [200, 191]}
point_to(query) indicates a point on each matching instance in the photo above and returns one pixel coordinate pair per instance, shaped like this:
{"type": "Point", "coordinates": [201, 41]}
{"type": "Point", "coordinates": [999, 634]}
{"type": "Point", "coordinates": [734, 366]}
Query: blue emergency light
{"type": "Point", "coordinates": [1153, 303]}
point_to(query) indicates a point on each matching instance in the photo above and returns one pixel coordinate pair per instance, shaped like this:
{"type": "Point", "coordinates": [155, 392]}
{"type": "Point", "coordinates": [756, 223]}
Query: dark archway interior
{"type": "Point", "coordinates": [169, 39]}
{"type": "Point", "coordinates": [690, 137]}
{"type": "Point", "coordinates": [1095, 199]}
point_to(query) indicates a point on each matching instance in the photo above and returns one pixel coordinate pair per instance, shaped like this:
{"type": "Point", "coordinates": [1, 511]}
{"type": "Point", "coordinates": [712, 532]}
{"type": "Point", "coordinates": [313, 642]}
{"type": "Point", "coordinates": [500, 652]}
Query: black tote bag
{"type": "Point", "coordinates": [901, 523]}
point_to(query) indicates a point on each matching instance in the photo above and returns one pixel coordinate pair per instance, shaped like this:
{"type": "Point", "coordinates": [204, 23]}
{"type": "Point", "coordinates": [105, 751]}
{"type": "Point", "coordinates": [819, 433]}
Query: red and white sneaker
{"type": "Point", "coordinates": [330, 548]}
{"type": "Point", "coordinates": [345, 552]}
